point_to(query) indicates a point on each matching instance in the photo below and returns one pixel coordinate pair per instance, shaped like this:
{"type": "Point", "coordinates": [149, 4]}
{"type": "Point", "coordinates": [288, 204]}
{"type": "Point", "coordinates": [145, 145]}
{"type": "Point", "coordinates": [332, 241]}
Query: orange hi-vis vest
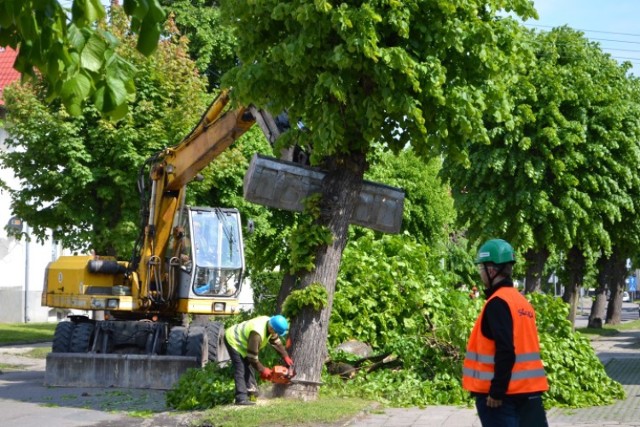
{"type": "Point", "coordinates": [527, 374]}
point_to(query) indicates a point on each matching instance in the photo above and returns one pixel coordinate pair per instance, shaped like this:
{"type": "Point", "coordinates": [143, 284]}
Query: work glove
{"type": "Point", "coordinates": [265, 374]}
{"type": "Point", "coordinates": [288, 361]}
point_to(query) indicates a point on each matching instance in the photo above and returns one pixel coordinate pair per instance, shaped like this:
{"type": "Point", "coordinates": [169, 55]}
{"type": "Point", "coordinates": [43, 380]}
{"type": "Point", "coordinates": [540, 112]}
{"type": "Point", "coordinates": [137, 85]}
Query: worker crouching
{"type": "Point", "coordinates": [244, 342]}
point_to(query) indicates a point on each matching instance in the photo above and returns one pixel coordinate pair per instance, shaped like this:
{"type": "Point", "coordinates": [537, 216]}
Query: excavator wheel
{"type": "Point", "coordinates": [198, 344]}
{"type": "Point", "coordinates": [214, 331]}
{"type": "Point", "coordinates": [81, 337]}
{"type": "Point", "coordinates": [177, 341]}
{"type": "Point", "coordinates": [62, 337]}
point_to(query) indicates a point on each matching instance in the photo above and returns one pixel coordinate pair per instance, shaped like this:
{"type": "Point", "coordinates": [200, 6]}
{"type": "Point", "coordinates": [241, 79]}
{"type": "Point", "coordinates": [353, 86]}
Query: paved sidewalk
{"type": "Point", "coordinates": [619, 354]}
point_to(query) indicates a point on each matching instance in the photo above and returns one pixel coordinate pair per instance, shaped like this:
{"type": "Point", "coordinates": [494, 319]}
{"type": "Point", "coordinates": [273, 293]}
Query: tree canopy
{"type": "Point", "coordinates": [417, 72]}
{"type": "Point", "coordinates": [563, 171]}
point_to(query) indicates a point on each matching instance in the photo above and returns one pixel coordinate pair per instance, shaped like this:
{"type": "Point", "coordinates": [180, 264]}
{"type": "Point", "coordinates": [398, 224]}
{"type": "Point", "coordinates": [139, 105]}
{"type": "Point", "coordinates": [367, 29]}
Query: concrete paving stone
{"type": "Point", "coordinates": [627, 372]}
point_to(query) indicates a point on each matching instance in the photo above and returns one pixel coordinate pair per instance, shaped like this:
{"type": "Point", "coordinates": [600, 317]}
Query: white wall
{"type": "Point", "coordinates": [246, 296]}
{"type": "Point", "coordinates": [22, 264]}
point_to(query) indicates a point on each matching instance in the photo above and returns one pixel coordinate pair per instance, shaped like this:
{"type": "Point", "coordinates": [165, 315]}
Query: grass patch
{"type": "Point", "coordinates": [25, 333]}
{"type": "Point", "coordinates": [286, 412]}
{"type": "Point", "coordinates": [141, 414]}
{"type": "Point", "coordinates": [627, 326]}
{"type": "Point", "coordinates": [8, 367]}
{"type": "Point", "coordinates": [602, 332]}
{"type": "Point", "coordinates": [38, 353]}
{"type": "Point", "coordinates": [611, 330]}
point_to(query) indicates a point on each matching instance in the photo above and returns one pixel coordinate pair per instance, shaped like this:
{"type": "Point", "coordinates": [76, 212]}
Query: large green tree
{"type": "Point", "coordinates": [419, 73]}
{"type": "Point", "coordinates": [620, 119]}
{"type": "Point", "coordinates": [563, 172]}
{"type": "Point", "coordinates": [77, 174]}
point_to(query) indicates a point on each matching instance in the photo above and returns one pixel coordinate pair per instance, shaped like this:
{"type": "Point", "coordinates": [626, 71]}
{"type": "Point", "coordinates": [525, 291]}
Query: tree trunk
{"type": "Point", "coordinates": [598, 307]}
{"type": "Point", "coordinates": [575, 272]}
{"type": "Point", "coordinates": [618, 271]}
{"type": "Point", "coordinates": [536, 260]}
{"type": "Point", "coordinates": [309, 329]}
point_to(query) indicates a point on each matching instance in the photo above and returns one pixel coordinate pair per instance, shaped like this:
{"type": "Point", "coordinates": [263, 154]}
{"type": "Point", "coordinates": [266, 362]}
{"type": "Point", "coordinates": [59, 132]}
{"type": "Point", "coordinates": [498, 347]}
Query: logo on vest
{"type": "Point", "coordinates": [523, 312]}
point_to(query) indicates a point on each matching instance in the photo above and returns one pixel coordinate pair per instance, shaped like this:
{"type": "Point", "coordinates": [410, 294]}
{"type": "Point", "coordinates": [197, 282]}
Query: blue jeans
{"type": "Point", "coordinates": [515, 411]}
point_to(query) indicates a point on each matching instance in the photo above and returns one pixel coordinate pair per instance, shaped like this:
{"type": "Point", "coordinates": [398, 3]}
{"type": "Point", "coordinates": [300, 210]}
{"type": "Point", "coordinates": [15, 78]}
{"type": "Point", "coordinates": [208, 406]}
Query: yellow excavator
{"type": "Point", "coordinates": [187, 261]}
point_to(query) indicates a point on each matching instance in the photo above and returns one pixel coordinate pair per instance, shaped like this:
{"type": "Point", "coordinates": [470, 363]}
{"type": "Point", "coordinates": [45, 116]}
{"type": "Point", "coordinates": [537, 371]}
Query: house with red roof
{"type": "Point", "coordinates": [22, 263]}
{"type": "Point", "coordinates": [7, 73]}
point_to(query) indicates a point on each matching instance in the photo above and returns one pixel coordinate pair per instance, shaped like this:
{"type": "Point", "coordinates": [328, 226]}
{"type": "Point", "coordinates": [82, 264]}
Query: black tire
{"type": "Point", "coordinates": [62, 337]}
{"type": "Point", "coordinates": [177, 341]}
{"type": "Point", "coordinates": [198, 344]}
{"type": "Point", "coordinates": [215, 330]}
{"type": "Point", "coordinates": [81, 337]}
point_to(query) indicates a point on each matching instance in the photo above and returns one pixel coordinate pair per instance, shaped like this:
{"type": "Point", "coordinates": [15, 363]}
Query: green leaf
{"type": "Point", "coordinates": [76, 88]}
{"type": "Point", "coordinates": [149, 35]}
{"type": "Point", "coordinates": [76, 37]}
{"type": "Point", "coordinates": [92, 56]}
{"type": "Point", "coordinates": [84, 12]}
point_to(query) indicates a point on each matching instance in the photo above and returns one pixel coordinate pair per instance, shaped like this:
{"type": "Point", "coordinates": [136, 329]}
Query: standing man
{"type": "Point", "coordinates": [244, 341]}
{"type": "Point", "coordinates": [502, 367]}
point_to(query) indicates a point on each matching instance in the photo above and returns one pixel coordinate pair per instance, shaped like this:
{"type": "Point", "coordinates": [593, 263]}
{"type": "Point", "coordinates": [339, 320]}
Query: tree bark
{"type": "Point", "coordinates": [597, 314]}
{"type": "Point", "coordinates": [618, 271]}
{"type": "Point", "coordinates": [575, 272]}
{"type": "Point", "coordinates": [536, 260]}
{"type": "Point", "coordinates": [309, 329]}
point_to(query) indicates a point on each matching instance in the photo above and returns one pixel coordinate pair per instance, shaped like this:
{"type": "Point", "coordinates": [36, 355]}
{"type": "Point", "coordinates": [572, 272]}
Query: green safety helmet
{"type": "Point", "coordinates": [497, 251]}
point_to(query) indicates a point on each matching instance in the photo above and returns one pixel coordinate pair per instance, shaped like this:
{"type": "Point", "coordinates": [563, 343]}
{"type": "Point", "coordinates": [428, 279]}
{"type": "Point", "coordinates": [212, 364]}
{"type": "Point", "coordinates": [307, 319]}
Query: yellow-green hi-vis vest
{"type": "Point", "coordinates": [238, 335]}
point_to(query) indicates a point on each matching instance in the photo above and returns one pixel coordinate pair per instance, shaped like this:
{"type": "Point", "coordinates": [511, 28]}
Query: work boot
{"type": "Point", "coordinates": [245, 402]}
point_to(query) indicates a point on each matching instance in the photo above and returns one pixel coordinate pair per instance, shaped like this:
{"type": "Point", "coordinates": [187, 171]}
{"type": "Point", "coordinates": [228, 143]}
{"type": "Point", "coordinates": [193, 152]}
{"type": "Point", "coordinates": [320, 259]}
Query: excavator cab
{"type": "Point", "coordinates": [208, 256]}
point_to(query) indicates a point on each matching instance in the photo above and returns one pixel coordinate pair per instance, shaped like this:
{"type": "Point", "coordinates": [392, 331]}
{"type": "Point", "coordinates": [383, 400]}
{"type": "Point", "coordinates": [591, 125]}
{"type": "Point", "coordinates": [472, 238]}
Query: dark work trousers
{"type": "Point", "coordinates": [515, 411]}
{"type": "Point", "coordinates": [243, 374]}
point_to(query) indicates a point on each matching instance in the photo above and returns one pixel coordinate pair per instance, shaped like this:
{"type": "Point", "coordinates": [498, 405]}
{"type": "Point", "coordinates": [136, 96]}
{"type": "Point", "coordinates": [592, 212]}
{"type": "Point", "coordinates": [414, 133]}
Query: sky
{"type": "Point", "coordinates": [614, 24]}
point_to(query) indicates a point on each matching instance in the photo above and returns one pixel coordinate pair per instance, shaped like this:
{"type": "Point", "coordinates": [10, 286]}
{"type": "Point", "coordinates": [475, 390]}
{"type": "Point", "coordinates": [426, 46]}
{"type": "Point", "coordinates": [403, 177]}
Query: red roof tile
{"type": "Point", "coordinates": [7, 72]}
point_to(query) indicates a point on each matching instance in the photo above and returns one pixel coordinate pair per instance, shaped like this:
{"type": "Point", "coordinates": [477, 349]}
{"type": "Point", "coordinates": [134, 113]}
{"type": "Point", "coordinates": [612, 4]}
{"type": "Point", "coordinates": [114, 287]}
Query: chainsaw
{"type": "Point", "coordinates": [282, 374]}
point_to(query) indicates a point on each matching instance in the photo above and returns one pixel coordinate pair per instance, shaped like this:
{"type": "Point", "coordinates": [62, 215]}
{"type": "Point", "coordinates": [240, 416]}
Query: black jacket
{"type": "Point", "coordinates": [497, 325]}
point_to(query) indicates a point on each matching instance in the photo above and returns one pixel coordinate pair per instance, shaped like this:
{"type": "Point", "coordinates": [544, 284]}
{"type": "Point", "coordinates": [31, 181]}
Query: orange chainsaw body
{"type": "Point", "coordinates": [281, 375]}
